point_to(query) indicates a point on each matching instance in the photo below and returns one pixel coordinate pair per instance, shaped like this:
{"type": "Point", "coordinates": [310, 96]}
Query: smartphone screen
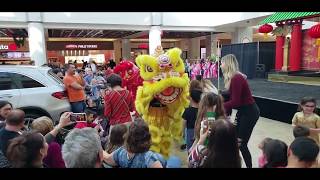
{"type": "Point", "coordinates": [78, 117]}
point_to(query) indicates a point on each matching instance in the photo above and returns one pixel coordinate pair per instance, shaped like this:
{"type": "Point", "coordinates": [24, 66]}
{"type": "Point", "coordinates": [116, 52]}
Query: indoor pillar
{"type": "Point", "coordinates": [126, 49]}
{"type": "Point", "coordinates": [195, 48]}
{"type": "Point", "coordinates": [295, 48]}
{"type": "Point", "coordinates": [154, 38]}
{"type": "Point", "coordinates": [279, 52]}
{"type": "Point", "coordinates": [37, 43]}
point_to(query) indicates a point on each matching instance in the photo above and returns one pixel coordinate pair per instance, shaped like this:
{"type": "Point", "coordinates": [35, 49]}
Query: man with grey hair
{"type": "Point", "coordinates": [82, 149]}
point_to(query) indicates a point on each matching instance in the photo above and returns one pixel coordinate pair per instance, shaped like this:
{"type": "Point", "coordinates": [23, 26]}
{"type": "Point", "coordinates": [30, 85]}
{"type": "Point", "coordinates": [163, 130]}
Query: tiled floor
{"type": "Point", "coordinates": [264, 128]}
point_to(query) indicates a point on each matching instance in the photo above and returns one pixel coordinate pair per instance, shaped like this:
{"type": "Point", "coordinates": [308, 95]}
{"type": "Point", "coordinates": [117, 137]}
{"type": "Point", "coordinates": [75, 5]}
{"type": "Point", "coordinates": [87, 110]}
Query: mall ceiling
{"type": "Point", "coordinates": [178, 35]}
{"type": "Point", "coordinates": [10, 32]}
{"type": "Point", "coordinates": [57, 33]}
{"type": "Point", "coordinates": [72, 33]}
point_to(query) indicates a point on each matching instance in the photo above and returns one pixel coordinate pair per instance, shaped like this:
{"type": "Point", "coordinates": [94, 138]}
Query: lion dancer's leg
{"type": "Point", "coordinates": [159, 124]}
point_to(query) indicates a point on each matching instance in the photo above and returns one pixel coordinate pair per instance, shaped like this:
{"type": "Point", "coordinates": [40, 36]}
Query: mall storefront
{"type": "Point", "coordinates": [10, 53]}
{"type": "Point", "coordinates": [79, 51]}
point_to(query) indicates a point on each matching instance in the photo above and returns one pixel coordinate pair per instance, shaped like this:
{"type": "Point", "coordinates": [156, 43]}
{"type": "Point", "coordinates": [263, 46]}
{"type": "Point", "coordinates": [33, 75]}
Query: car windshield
{"type": "Point", "coordinates": [55, 77]}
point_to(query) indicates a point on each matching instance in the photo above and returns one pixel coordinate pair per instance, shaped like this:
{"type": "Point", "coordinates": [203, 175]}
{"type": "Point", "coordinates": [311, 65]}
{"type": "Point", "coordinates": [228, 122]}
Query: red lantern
{"type": "Point", "coordinates": [314, 32]}
{"type": "Point", "coordinates": [266, 28]}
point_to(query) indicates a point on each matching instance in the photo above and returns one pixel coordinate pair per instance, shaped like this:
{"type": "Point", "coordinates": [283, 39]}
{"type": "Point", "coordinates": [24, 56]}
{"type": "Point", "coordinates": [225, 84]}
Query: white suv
{"type": "Point", "coordinates": [36, 90]}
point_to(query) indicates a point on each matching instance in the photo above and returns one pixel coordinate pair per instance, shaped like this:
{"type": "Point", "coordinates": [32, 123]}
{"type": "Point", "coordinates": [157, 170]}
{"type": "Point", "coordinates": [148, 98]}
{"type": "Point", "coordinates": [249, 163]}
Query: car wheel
{"type": "Point", "coordinates": [29, 117]}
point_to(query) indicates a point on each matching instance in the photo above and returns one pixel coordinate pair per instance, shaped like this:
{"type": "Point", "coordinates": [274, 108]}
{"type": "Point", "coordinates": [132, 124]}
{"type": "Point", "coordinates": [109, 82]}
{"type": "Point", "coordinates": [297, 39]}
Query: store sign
{"type": "Point", "coordinates": [81, 46]}
{"type": "Point", "coordinates": [10, 47]}
{"type": "Point", "coordinates": [143, 46]}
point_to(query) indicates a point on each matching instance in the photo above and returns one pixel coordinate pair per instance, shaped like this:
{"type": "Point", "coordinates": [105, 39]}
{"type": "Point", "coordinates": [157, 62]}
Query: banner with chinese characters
{"type": "Point", "coordinates": [310, 59]}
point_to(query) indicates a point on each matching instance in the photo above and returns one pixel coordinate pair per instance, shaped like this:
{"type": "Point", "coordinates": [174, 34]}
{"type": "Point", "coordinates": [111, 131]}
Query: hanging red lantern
{"type": "Point", "coordinates": [314, 32]}
{"type": "Point", "coordinates": [266, 28]}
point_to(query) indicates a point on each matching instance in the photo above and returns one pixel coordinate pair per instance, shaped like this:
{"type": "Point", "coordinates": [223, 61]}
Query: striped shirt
{"type": "Point", "coordinates": [118, 105]}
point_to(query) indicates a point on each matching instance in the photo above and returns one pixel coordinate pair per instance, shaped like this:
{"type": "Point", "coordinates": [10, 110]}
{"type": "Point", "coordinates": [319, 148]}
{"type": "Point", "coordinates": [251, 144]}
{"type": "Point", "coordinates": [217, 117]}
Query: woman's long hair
{"type": "Point", "coordinates": [207, 101]}
{"type": "Point", "coordinates": [117, 137]}
{"type": "Point", "coordinates": [23, 151]}
{"type": "Point", "coordinates": [207, 86]}
{"type": "Point", "coordinates": [223, 150]}
{"type": "Point", "coordinates": [231, 67]}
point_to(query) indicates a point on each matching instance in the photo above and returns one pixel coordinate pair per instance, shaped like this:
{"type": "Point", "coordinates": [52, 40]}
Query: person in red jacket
{"type": "Point", "coordinates": [240, 98]}
{"type": "Point", "coordinates": [118, 103]}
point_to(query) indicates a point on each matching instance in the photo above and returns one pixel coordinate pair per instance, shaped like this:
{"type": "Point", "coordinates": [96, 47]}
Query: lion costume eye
{"type": "Point", "coordinates": [149, 69]}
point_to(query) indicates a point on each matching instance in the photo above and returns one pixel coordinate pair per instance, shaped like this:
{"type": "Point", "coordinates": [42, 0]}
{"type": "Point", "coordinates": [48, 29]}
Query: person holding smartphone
{"type": "Point", "coordinates": [75, 89]}
{"type": "Point", "coordinates": [240, 98]}
{"type": "Point", "coordinates": [210, 105]}
{"type": "Point", "coordinates": [221, 150]}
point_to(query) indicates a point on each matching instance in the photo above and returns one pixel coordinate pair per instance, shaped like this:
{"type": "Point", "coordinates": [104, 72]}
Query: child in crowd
{"type": "Point", "coordinates": [116, 138]}
{"type": "Point", "coordinates": [222, 150]}
{"type": "Point", "coordinates": [190, 116]}
{"type": "Point", "coordinates": [135, 153]}
{"type": "Point", "coordinates": [274, 153]}
{"type": "Point", "coordinates": [308, 118]}
{"type": "Point", "coordinates": [262, 158]}
{"type": "Point", "coordinates": [303, 153]}
{"type": "Point", "coordinates": [91, 121]}
{"type": "Point", "coordinates": [210, 104]}
{"type": "Point", "coordinates": [194, 85]}
{"type": "Point", "coordinates": [301, 131]}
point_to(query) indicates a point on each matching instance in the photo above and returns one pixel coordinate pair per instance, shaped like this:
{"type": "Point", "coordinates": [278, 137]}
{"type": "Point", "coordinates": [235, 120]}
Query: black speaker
{"type": "Point", "coordinates": [260, 71]}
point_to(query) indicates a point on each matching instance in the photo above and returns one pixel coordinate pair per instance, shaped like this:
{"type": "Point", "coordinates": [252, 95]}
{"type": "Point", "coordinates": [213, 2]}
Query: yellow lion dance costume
{"type": "Point", "coordinates": [163, 97]}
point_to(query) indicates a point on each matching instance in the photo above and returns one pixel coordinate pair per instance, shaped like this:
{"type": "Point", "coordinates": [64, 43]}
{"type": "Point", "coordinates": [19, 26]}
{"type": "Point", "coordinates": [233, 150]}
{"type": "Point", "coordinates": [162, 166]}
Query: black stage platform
{"type": "Point", "coordinates": [279, 101]}
{"type": "Point", "coordinates": [283, 91]}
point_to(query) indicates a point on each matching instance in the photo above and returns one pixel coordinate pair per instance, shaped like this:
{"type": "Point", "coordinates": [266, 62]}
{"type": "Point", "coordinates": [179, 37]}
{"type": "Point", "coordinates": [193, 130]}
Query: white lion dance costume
{"type": "Point", "coordinates": [163, 97]}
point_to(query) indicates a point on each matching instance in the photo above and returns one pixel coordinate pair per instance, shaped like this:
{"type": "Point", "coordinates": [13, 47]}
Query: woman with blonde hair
{"type": "Point", "coordinates": [242, 100]}
{"type": "Point", "coordinates": [53, 159]}
{"type": "Point", "coordinates": [208, 87]}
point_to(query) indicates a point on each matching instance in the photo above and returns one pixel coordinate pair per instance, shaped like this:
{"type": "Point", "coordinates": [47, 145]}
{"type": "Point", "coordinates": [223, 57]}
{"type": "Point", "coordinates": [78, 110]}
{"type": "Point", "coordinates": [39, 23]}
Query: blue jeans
{"type": "Point", "coordinates": [189, 138]}
{"type": "Point", "coordinates": [173, 162]}
{"type": "Point", "coordinates": [78, 107]}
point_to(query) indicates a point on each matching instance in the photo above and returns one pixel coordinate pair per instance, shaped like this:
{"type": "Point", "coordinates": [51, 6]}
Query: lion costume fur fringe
{"type": "Point", "coordinates": [165, 123]}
